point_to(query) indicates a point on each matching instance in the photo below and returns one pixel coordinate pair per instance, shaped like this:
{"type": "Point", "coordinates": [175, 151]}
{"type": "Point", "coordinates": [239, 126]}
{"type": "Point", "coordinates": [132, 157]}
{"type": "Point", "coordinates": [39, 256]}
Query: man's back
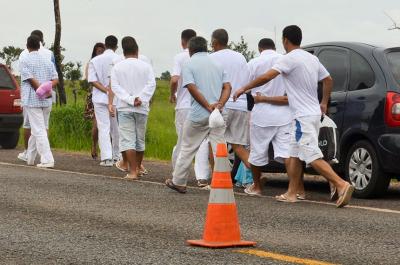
{"type": "Point", "coordinates": [281, 113]}
{"type": "Point", "coordinates": [137, 79]}
{"type": "Point", "coordinates": [43, 51]}
{"type": "Point", "coordinates": [235, 66]}
{"type": "Point", "coordinates": [301, 72]}
{"type": "Point", "coordinates": [100, 71]}
{"type": "Point", "coordinates": [208, 76]}
{"type": "Point", "coordinates": [40, 68]}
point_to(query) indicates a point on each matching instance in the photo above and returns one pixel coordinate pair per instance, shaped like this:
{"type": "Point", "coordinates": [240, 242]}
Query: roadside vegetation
{"type": "Point", "coordinates": [71, 132]}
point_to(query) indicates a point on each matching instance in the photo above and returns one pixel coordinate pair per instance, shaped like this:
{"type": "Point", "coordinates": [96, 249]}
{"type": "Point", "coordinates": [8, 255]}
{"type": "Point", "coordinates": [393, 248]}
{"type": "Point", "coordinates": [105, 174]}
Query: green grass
{"type": "Point", "coordinates": [71, 132]}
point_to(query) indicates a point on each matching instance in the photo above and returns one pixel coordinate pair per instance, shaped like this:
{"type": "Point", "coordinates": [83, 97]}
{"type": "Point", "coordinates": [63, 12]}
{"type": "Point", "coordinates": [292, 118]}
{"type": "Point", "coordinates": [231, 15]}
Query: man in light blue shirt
{"type": "Point", "coordinates": [35, 70]}
{"type": "Point", "coordinates": [207, 84]}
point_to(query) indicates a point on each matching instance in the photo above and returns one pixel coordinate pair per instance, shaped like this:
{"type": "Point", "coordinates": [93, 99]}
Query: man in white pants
{"type": "Point", "coordinates": [99, 76]}
{"type": "Point", "coordinates": [236, 113]}
{"type": "Point", "coordinates": [301, 72]}
{"type": "Point", "coordinates": [46, 53]}
{"type": "Point", "coordinates": [35, 70]}
{"type": "Point", "coordinates": [207, 83]}
{"type": "Point", "coordinates": [181, 97]}
{"type": "Point", "coordinates": [270, 118]}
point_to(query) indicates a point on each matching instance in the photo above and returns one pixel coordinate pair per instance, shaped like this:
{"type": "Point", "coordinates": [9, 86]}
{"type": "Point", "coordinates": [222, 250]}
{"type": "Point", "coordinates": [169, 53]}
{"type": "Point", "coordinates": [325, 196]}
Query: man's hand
{"type": "Point", "coordinates": [258, 98]}
{"type": "Point", "coordinates": [111, 109]}
{"type": "Point", "coordinates": [217, 105]}
{"type": "Point", "coordinates": [172, 98]}
{"type": "Point", "coordinates": [238, 93]}
{"type": "Point", "coordinates": [324, 108]}
{"type": "Point", "coordinates": [137, 102]}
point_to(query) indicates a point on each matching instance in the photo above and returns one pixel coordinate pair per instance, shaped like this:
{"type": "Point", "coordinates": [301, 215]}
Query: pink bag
{"type": "Point", "coordinates": [44, 90]}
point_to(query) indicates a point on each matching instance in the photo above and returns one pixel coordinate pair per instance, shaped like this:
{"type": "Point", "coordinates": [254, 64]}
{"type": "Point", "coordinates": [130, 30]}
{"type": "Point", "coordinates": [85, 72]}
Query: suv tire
{"type": "Point", "coordinates": [363, 170]}
{"type": "Point", "coordinates": [9, 140]}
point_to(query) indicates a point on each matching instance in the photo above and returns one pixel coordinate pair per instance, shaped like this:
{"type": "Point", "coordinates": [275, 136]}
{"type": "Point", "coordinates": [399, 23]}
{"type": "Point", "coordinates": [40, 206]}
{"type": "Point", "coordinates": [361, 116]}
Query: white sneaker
{"type": "Point", "coordinates": [106, 163]}
{"type": "Point", "coordinates": [45, 165]}
{"type": "Point", "coordinates": [23, 156]}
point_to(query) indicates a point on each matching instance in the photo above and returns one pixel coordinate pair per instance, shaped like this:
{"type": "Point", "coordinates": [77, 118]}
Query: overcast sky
{"type": "Point", "coordinates": [156, 25]}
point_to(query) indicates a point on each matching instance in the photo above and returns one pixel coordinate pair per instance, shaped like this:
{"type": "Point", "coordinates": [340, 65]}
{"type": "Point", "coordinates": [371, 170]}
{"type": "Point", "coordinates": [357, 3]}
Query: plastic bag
{"type": "Point", "coordinates": [328, 140]}
{"type": "Point", "coordinates": [243, 176]}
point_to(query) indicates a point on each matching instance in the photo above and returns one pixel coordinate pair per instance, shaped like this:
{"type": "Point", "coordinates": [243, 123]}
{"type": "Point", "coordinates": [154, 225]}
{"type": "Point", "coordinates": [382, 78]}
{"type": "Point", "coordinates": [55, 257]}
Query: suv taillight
{"type": "Point", "coordinates": [17, 103]}
{"type": "Point", "coordinates": [392, 109]}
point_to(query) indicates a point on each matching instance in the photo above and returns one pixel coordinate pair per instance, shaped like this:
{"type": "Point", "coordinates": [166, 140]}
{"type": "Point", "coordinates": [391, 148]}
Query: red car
{"type": "Point", "coordinates": [11, 117]}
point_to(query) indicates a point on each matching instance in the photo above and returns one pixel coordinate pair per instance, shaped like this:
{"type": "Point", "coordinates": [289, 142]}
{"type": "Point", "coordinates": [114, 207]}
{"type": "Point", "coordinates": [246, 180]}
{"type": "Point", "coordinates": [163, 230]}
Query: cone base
{"type": "Point", "coordinates": [202, 243]}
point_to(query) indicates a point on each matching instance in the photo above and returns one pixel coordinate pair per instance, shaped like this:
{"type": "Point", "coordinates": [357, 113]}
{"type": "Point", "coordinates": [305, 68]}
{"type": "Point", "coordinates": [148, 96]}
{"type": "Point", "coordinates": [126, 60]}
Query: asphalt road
{"type": "Point", "coordinates": [83, 214]}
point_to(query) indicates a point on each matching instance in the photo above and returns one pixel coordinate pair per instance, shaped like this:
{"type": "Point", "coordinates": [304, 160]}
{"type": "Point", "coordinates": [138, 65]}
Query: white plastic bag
{"type": "Point", "coordinates": [216, 120]}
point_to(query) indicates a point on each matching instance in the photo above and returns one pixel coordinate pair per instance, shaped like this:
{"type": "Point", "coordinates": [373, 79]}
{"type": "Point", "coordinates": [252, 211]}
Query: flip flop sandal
{"type": "Point", "coordinates": [345, 197]}
{"type": "Point", "coordinates": [284, 198]}
{"type": "Point", "coordinates": [334, 194]}
{"type": "Point", "coordinates": [130, 177]}
{"type": "Point", "coordinates": [144, 171]}
{"type": "Point", "coordinates": [249, 191]}
{"type": "Point", "coordinates": [118, 165]}
{"type": "Point", "coordinates": [177, 188]}
{"type": "Point", "coordinates": [301, 197]}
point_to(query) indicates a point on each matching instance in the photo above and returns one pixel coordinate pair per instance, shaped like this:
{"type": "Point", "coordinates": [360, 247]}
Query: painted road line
{"type": "Point", "coordinates": [366, 208]}
{"type": "Point", "coordinates": [280, 257]}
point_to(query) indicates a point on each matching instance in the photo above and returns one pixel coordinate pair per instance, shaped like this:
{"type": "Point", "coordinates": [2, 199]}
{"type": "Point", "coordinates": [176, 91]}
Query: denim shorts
{"type": "Point", "coordinates": [132, 131]}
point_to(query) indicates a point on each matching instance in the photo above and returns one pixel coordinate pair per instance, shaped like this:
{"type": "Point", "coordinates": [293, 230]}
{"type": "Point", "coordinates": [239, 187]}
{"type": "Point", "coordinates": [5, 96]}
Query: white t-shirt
{"type": "Point", "coordinates": [183, 97]}
{"type": "Point", "coordinates": [301, 72]}
{"type": "Point", "coordinates": [265, 114]}
{"type": "Point", "coordinates": [132, 78]}
{"type": "Point", "coordinates": [100, 71]}
{"type": "Point", "coordinates": [235, 66]}
{"type": "Point", "coordinates": [120, 58]}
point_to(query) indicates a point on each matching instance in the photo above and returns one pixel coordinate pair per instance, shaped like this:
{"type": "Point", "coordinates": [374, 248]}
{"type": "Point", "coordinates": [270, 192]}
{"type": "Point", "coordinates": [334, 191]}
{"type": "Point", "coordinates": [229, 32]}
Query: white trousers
{"type": "Point", "coordinates": [107, 126]}
{"type": "Point", "coordinates": [38, 141]}
{"type": "Point", "coordinates": [201, 164]}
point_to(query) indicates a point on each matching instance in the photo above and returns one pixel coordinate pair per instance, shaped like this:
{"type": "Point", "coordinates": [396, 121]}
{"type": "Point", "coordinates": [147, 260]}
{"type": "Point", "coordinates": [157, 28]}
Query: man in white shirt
{"type": "Point", "coordinates": [99, 76]}
{"type": "Point", "coordinates": [301, 72]}
{"type": "Point", "coordinates": [236, 113]}
{"type": "Point", "coordinates": [270, 118]}
{"type": "Point", "coordinates": [133, 83]}
{"type": "Point", "coordinates": [48, 55]}
{"type": "Point", "coordinates": [181, 96]}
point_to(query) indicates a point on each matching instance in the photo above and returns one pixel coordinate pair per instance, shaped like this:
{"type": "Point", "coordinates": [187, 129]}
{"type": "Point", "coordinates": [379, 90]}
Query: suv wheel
{"type": "Point", "coordinates": [9, 140]}
{"type": "Point", "coordinates": [362, 169]}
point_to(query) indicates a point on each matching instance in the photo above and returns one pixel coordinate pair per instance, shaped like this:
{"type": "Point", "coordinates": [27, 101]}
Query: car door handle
{"type": "Point", "coordinates": [334, 103]}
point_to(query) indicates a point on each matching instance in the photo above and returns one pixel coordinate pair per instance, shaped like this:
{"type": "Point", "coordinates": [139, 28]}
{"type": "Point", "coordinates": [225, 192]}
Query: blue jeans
{"type": "Point", "coordinates": [132, 131]}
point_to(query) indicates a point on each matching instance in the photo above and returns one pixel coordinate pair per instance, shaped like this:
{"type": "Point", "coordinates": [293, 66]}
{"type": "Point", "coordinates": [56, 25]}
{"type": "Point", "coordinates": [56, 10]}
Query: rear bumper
{"type": "Point", "coordinates": [10, 122]}
{"type": "Point", "coordinates": [389, 152]}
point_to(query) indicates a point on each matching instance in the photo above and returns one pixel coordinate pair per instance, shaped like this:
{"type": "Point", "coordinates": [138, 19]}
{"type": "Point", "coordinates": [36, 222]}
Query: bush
{"type": "Point", "coordinates": [68, 129]}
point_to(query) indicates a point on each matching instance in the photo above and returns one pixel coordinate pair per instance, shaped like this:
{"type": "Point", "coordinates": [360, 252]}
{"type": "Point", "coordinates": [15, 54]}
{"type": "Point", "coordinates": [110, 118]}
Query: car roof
{"type": "Point", "coordinates": [350, 45]}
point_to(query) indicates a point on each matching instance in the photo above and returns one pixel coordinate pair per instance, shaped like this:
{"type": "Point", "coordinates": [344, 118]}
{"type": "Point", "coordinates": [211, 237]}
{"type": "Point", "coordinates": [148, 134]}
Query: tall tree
{"type": "Point", "coordinates": [243, 48]}
{"type": "Point", "coordinates": [57, 53]}
{"type": "Point", "coordinates": [10, 54]}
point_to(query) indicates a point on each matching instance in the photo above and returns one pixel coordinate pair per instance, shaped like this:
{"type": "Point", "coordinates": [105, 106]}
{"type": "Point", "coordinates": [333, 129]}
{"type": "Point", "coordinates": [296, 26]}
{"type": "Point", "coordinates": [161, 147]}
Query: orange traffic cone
{"type": "Point", "coordinates": [222, 224]}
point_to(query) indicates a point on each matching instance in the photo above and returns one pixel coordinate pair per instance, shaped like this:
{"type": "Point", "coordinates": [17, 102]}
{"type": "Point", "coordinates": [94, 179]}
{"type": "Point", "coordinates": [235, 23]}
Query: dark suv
{"type": "Point", "coordinates": [10, 109]}
{"type": "Point", "coordinates": [365, 104]}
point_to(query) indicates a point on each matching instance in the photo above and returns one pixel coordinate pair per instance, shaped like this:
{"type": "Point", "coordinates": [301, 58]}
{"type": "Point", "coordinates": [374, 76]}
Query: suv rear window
{"type": "Point", "coordinates": [394, 63]}
{"type": "Point", "coordinates": [5, 79]}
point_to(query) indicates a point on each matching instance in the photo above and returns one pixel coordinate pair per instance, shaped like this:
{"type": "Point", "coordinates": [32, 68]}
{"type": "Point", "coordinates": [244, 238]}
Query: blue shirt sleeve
{"type": "Point", "coordinates": [187, 76]}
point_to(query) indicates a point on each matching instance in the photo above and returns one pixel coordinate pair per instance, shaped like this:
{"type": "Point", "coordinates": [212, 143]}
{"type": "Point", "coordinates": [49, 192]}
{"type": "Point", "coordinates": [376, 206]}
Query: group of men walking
{"type": "Point", "coordinates": [286, 113]}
